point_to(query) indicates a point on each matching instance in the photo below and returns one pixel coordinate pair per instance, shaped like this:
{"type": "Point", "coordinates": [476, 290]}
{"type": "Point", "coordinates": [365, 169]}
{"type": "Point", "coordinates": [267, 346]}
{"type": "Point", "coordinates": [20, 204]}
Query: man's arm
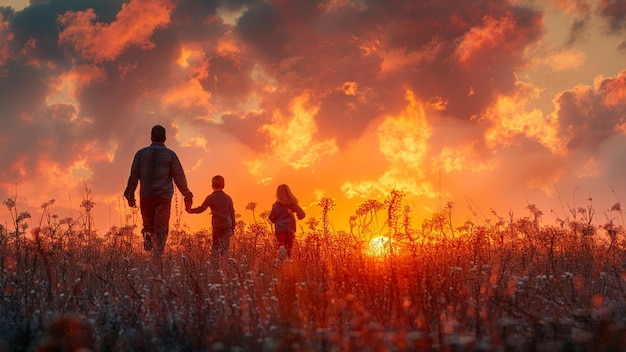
{"type": "Point", "coordinates": [178, 175]}
{"type": "Point", "coordinates": [133, 181]}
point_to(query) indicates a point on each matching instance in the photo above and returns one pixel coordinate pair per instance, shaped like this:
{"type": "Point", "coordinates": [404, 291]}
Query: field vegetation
{"type": "Point", "coordinates": [503, 283]}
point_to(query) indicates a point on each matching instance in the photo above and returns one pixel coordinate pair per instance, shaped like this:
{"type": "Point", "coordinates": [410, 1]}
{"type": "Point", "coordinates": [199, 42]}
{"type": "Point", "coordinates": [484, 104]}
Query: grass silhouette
{"type": "Point", "coordinates": [512, 284]}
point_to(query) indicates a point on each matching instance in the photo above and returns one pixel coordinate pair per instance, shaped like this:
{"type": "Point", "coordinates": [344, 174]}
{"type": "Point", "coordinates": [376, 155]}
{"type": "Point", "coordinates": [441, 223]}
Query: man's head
{"type": "Point", "coordinates": [158, 134]}
{"type": "Point", "coordinates": [217, 182]}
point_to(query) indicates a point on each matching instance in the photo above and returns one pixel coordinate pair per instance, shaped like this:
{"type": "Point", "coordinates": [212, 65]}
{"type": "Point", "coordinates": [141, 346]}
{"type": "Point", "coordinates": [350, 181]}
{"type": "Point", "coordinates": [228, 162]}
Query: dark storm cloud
{"type": "Point", "coordinates": [23, 91]}
{"type": "Point", "coordinates": [614, 12]}
{"type": "Point", "coordinates": [586, 131]}
{"type": "Point", "coordinates": [578, 28]}
{"type": "Point", "coordinates": [591, 116]}
{"type": "Point", "coordinates": [261, 28]}
{"type": "Point", "coordinates": [229, 77]}
{"type": "Point", "coordinates": [304, 45]}
{"type": "Point", "coordinates": [310, 48]}
{"type": "Point", "coordinates": [35, 57]}
{"type": "Point", "coordinates": [246, 128]}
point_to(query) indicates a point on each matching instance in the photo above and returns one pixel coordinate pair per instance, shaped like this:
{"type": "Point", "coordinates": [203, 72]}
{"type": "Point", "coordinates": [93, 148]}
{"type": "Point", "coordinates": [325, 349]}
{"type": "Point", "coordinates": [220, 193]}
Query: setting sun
{"type": "Point", "coordinates": [378, 246]}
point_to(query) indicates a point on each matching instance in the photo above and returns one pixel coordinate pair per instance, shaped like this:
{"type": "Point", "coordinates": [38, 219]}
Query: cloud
{"type": "Point", "coordinates": [613, 91]}
{"type": "Point", "coordinates": [485, 38]}
{"type": "Point", "coordinates": [614, 11]}
{"type": "Point", "coordinates": [510, 118]}
{"type": "Point", "coordinates": [403, 142]}
{"type": "Point", "coordinates": [587, 115]}
{"type": "Point", "coordinates": [99, 42]}
{"type": "Point", "coordinates": [566, 60]}
{"type": "Point", "coordinates": [292, 140]}
{"type": "Point", "coordinates": [574, 7]}
{"type": "Point", "coordinates": [347, 98]}
{"type": "Point", "coordinates": [5, 39]}
{"type": "Point", "coordinates": [578, 29]}
{"type": "Point", "coordinates": [404, 139]}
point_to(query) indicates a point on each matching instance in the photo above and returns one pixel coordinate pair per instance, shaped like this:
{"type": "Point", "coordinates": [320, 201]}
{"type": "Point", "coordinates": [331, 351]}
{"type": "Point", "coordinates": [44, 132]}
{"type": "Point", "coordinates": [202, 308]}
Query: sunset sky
{"type": "Point", "coordinates": [487, 104]}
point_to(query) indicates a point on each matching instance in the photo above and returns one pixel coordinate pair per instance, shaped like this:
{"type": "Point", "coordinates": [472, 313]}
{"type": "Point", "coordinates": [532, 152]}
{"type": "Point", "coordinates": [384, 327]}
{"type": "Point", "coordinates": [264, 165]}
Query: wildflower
{"type": "Point", "coordinates": [23, 215]}
{"type": "Point", "coordinates": [10, 203]}
{"type": "Point", "coordinates": [87, 204]}
{"type": "Point", "coordinates": [48, 203]}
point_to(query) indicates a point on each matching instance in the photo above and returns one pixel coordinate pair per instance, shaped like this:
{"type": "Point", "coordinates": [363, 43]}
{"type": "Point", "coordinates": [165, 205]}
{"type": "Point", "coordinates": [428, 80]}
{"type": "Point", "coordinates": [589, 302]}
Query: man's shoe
{"type": "Point", "coordinates": [147, 241]}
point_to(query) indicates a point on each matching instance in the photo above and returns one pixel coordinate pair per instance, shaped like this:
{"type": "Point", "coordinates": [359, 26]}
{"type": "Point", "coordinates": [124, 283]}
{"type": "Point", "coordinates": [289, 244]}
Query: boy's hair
{"type": "Point", "coordinates": [285, 196]}
{"type": "Point", "coordinates": [217, 181]}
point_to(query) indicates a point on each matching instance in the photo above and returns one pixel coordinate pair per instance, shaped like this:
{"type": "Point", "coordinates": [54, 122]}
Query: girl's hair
{"type": "Point", "coordinates": [285, 196]}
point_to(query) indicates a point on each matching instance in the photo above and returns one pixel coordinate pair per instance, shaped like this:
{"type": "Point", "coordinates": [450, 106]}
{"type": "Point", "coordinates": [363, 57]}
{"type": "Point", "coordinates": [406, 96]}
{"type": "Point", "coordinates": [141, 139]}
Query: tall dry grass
{"type": "Point", "coordinates": [504, 284]}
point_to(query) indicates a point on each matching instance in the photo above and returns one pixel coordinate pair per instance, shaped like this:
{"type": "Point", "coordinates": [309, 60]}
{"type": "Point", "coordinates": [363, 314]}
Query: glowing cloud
{"type": "Point", "coordinates": [98, 42]}
{"type": "Point", "coordinates": [403, 140]}
{"type": "Point", "coordinates": [463, 157]}
{"type": "Point", "coordinates": [67, 86]}
{"type": "Point", "coordinates": [574, 7]}
{"type": "Point", "coordinates": [5, 38]}
{"type": "Point", "coordinates": [510, 118]}
{"type": "Point", "coordinates": [189, 99]}
{"type": "Point", "coordinates": [398, 59]}
{"type": "Point", "coordinates": [613, 89]}
{"type": "Point", "coordinates": [566, 60]}
{"type": "Point", "coordinates": [495, 32]}
{"type": "Point", "coordinates": [292, 139]}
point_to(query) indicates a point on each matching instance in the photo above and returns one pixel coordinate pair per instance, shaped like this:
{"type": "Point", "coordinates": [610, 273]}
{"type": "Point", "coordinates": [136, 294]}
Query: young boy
{"type": "Point", "coordinates": [223, 216]}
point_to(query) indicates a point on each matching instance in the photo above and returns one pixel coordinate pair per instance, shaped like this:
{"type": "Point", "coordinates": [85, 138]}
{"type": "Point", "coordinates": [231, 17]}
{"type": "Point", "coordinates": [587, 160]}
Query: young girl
{"type": "Point", "coordinates": [282, 215]}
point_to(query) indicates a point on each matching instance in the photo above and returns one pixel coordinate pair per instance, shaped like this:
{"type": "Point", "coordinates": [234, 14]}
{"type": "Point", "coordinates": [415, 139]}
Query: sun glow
{"type": "Point", "coordinates": [379, 246]}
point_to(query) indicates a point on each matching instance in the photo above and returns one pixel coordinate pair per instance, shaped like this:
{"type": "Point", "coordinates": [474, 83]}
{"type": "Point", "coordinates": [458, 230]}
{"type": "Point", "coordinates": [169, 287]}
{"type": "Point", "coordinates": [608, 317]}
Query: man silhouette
{"type": "Point", "coordinates": [155, 167]}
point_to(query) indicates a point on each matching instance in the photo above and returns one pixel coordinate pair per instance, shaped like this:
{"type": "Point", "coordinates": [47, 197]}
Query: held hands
{"type": "Point", "coordinates": [188, 203]}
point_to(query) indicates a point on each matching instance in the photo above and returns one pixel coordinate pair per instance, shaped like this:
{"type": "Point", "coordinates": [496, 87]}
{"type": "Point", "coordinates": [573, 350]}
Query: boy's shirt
{"type": "Point", "coordinates": [222, 208]}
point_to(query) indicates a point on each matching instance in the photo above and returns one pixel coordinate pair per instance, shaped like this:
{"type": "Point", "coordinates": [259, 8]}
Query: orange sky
{"type": "Point", "coordinates": [487, 104]}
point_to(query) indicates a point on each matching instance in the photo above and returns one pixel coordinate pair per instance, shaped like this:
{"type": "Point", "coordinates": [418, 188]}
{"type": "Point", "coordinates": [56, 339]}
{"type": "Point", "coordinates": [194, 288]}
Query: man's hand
{"type": "Point", "coordinates": [132, 203]}
{"type": "Point", "coordinates": [188, 203]}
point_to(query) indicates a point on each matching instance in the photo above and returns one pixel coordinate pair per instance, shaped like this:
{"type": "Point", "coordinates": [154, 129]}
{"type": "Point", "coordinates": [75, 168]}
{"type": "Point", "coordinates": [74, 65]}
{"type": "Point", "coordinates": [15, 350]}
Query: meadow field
{"type": "Point", "coordinates": [497, 284]}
